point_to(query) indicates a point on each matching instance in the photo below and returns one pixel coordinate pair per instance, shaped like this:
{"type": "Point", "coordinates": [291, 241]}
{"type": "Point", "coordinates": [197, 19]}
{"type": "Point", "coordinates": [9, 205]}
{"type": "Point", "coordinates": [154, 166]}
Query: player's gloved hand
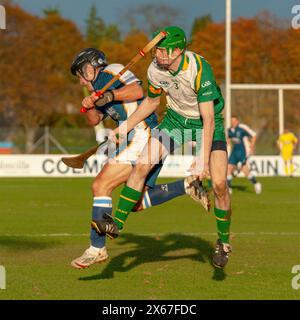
{"type": "Point", "coordinates": [107, 97]}
{"type": "Point", "coordinates": [89, 102]}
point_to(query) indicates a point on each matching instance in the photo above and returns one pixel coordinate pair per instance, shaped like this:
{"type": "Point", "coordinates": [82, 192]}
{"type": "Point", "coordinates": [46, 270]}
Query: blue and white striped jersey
{"type": "Point", "coordinates": [120, 111]}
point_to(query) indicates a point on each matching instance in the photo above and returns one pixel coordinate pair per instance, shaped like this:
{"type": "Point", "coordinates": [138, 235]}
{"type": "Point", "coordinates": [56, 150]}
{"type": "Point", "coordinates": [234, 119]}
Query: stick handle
{"type": "Point", "coordinates": [132, 62]}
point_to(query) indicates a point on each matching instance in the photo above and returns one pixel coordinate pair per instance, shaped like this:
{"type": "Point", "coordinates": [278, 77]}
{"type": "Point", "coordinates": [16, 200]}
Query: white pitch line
{"type": "Point", "coordinates": [28, 235]}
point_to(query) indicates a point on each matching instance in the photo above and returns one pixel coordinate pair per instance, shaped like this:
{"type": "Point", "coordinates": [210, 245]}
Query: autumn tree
{"type": "Point", "coordinates": [36, 52]}
{"type": "Point", "coordinates": [200, 23]}
{"type": "Point", "coordinates": [35, 82]}
{"type": "Point", "coordinates": [212, 48]}
{"type": "Point", "coordinates": [97, 31]}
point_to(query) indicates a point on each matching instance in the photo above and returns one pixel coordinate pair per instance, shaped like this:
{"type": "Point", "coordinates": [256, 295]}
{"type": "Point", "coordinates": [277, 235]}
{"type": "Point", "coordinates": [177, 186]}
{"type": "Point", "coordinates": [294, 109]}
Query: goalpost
{"type": "Point", "coordinates": [278, 87]}
{"type": "Point", "coordinates": [239, 86]}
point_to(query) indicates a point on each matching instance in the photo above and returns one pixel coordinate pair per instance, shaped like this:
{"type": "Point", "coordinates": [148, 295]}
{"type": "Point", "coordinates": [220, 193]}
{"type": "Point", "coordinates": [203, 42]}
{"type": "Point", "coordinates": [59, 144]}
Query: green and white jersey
{"type": "Point", "coordinates": [192, 83]}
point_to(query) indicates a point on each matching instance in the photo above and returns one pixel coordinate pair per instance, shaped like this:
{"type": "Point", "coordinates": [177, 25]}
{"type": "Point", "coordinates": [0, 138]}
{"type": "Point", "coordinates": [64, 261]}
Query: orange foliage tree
{"type": "Point", "coordinates": [35, 81]}
{"type": "Point", "coordinates": [35, 54]}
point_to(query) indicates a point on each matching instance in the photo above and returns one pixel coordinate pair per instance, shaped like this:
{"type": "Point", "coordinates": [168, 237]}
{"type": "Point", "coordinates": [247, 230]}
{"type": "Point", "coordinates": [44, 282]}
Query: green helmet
{"type": "Point", "coordinates": [175, 38]}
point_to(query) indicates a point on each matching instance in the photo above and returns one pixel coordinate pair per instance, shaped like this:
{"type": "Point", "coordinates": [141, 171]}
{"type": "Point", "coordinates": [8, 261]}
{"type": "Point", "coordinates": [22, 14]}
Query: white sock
{"type": "Point", "coordinates": [94, 250]}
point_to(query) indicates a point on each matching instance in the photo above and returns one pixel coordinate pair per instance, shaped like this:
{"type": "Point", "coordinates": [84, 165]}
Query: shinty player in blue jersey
{"type": "Point", "coordinates": [119, 102]}
{"type": "Point", "coordinates": [238, 135]}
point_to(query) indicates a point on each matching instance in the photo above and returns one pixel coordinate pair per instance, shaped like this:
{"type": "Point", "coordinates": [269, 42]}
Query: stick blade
{"type": "Point", "coordinates": [73, 162]}
{"type": "Point", "coordinates": [77, 162]}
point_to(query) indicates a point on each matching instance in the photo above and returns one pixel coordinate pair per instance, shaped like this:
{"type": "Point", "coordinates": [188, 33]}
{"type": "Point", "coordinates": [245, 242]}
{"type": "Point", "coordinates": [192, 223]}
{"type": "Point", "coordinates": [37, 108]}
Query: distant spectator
{"type": "Point", "coordinates": [287, 143]}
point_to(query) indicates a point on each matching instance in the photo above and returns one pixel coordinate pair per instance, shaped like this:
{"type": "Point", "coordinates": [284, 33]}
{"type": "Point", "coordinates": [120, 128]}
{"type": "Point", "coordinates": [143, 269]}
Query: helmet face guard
{"type": "Point", "coordinates": [87, 71]}
{"type": "Point", "coordinates": [88, 57]}
{"type": "Point", "coordinates": [164, 61]}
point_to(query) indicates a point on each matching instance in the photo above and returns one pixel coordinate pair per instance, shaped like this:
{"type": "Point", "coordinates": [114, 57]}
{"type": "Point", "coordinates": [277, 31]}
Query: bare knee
{"type": "Point", "coordinates": [102, 187]}
{"type": "Point", "coordinates": [141, 170]}
{"type": "Point", "coordinates": [220, 188]}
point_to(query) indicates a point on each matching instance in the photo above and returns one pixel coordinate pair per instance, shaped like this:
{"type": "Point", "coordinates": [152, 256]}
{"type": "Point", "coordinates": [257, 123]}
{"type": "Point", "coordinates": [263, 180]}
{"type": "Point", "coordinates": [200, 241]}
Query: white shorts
{"type": "Point", "coordinates": [130, 151]}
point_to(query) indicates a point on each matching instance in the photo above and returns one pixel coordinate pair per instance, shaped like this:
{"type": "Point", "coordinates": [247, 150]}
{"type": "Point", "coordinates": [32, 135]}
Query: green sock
{"type": "Point", "coordinates": [128, 199]}
{"type": "Point", "coordinates": [209, 184]}
{"type": "Point", "coordinates": [223, 224]}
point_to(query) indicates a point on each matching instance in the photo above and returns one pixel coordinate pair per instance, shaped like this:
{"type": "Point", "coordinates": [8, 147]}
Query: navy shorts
{"type": "Point", "coordinates": [237, 157]}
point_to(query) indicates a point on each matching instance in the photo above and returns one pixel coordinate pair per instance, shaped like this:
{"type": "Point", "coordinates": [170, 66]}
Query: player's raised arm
{"type": "Point", "coordinates": [130, 92]}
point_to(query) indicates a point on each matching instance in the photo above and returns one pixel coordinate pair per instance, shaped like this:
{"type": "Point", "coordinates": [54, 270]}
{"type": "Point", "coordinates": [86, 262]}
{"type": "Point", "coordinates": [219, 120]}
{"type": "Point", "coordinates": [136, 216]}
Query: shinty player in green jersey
{"type": "Point", "coordinates": [194, 105]}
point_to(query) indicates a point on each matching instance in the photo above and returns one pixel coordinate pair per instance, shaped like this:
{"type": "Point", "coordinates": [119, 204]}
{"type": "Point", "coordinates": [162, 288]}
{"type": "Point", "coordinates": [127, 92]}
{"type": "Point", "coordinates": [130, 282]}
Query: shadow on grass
{"type": "Point", "coordinates": [158, 249]}
{"type": "Point", "coordinates": [24, 243]}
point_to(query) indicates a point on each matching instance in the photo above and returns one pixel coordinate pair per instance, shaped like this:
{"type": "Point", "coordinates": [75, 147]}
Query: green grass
{"type": "Point", "coordinates": [163, 253]}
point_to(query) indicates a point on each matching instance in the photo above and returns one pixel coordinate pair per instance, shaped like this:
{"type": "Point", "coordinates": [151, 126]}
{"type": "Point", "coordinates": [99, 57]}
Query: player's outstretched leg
{"type": "Point", "coordinates": [155, 196]}
{"type": "Point", "coordinates": [162, 193]}
{"type": "Point", "coordinates": [107, 226]}
{"type": "Point", "coordinates": [195, 189]}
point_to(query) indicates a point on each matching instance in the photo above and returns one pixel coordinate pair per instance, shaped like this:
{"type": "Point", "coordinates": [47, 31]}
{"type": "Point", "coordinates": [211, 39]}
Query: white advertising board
{"type": "Point", "coordinates": [175, 166]}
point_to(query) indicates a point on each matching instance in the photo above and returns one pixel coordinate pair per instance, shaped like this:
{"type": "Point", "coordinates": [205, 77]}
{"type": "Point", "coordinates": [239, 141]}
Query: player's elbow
{"type": "Point", "coordinates": [136, 91]}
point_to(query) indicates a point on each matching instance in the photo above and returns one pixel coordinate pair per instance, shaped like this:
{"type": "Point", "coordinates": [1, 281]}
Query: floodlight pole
{"type": "Point", "coordinates": [228, 64]}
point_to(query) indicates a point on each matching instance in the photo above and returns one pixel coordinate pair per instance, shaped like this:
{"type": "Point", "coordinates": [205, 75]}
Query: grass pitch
{"type": "Point", "coordinates": [163, 253]}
